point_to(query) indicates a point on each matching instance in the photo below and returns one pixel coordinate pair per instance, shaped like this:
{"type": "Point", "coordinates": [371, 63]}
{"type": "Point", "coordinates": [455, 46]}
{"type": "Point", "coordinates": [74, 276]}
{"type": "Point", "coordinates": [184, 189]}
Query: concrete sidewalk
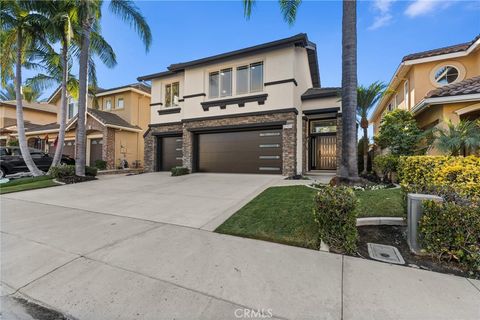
{"type": "Point", "coordinates": [92, 265]}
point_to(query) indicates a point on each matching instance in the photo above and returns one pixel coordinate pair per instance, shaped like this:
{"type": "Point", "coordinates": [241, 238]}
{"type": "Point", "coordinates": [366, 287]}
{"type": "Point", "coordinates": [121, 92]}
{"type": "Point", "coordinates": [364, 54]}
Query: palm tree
{"type": "Point", "coordinates": [457, 139]}
{"type": "Point", "coordinates": [22, 30]}
{"type": "Point", "coordinates": [89, 15]}
{"type": "Point", "coordinates": [65, 28]}
{"type": "Point", "coordinates": [29, 93]}
{"type": "Point", "coordinates": [367, 97]}
{"type": "Point", "coordinates": [348, 166]}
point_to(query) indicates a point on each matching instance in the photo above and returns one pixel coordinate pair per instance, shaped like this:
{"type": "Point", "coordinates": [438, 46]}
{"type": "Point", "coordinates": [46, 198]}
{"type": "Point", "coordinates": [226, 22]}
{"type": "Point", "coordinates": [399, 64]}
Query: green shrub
{"type": "Point", "coordinates": [179, 171]}
{"type": "Point", "coordinates": [336, 215]}
{"type": "Point", "coordinates": [386, 165]}
{"type": "Point", "coordinates": [451, 231]}
{"type": "Point", "coordinates": [100, 164]}
{"type": "Point", "coordinates": [91, 171]}
{"type": "Point", "coordinates": [13, 143]}
{"type": "Point", "coordinates": [399, 133]}
{"type": "Point", "coordinates": [461, 174]}
{"type": "Point", "coordinates": [66, 171]}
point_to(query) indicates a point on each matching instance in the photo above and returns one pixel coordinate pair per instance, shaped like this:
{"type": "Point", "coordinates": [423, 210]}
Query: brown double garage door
{"type": "Point", "coordinates": [244, 151]}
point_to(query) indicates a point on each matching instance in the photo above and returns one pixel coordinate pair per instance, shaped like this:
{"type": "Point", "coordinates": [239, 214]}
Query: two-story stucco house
{"type": "Point", "coordinates": [255, 110]}
{"type": "Point", "coordinates": [117, 118]}
{"type": "Point", "coordinates": [437, 86]}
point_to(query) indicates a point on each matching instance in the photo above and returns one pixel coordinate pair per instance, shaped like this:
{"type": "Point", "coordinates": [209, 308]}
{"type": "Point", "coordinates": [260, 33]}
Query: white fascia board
{"type": "Point", "coordinates": [441, 100]}
{"type": "Point", "coordinates": [107, 93]}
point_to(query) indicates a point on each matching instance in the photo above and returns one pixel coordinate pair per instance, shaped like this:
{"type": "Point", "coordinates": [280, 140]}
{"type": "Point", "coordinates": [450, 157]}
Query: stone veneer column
{"type": "Point", "coordinates": [149, 151]}
{"type": "Point", "coordinates": [108, 147]}
{"type": "Point", "coordinates": [289, 141]}
{"type": "Point", "coordinates": [187, 149]}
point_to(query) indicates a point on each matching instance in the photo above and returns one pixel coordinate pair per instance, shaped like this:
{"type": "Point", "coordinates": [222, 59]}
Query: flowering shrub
{"type": "Point", "coordinates": [336, 215]}
{"type": "Point", "coordinates": [451, 231]}
{"type": "Point", "coordinates": [461, 174]}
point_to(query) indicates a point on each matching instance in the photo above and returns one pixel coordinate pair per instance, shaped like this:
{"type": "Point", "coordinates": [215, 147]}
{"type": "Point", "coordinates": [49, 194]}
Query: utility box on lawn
{"type": "Point", "coordinates": [414, 214]}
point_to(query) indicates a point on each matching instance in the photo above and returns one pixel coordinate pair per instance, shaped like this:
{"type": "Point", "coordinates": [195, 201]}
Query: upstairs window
{"type": "Point", "coordinates": [171, 94]}
{"type": "Point", "coordinates": [108, 104]}
{"type": "Point", "coordinates": [120, 103]}
{"type": "Point", "coordinates": [220, 83]}
{"type": "Point", "coordinates": [446, 74]}
{"type": "Point", "coordinates": [250, 78]}
{"type": "Point", "coordinates": [72, 108]}
{"type": "Point", "coordinates": [406, 90]}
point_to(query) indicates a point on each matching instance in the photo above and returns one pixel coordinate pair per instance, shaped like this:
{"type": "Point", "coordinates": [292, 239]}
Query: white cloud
{"type": "Point", "coordinates": [422, 7]}
{"type": "Point", "coordinates": [383, 17]}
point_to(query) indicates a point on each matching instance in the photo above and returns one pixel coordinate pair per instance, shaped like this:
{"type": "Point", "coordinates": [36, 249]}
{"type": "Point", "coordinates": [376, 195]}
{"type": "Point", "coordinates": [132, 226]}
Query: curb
{"type": "Point", "coordinates": [378, 221]}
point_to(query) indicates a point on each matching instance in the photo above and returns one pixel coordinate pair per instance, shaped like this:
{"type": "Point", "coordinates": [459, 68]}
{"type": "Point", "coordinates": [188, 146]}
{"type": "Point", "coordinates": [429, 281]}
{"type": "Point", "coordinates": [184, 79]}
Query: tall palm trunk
{"type": "Point", "coordinates": [63, 110]}
{"type": "Point", "coordinates": [348, 165]}
{"type": "Point", "coordinates": [22, 139]}
{"type": "Point", "coordinates": [365, 146]}
{"type": "Point", "coordinates": [80, 139]}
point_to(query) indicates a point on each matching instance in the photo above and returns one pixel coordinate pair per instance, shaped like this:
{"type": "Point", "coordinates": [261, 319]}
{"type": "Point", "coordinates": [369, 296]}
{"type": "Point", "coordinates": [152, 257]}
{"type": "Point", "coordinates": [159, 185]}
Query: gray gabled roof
{"type": "Point", "coordinates": [314, 93]}
{"type": "Point", "coordinates": [108, 118]}
{"type": "Point", "coordinates": [300, 39]}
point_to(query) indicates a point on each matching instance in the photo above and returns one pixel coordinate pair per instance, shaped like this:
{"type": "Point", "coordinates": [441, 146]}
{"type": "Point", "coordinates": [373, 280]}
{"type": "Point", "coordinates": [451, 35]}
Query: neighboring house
{"type": "Point", "coordinates": [34, 113]}
{"type": "Point", "coordinates": [436, 86]}
{"type": "Point", "coordinates": [255, 110]}
{"type": "Point", "coordinates": [116, 121]}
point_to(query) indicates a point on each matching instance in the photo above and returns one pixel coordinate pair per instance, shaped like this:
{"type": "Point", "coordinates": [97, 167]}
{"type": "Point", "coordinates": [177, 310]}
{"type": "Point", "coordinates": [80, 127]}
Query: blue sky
{"type": "Point", "coordinates": [387, 30]}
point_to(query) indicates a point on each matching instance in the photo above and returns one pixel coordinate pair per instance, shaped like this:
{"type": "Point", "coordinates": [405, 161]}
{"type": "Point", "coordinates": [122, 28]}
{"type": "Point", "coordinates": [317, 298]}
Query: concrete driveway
{"type": "Point", "coordinates": [76, 249]}
{"type": "Point", "coordinates": [196, 200]}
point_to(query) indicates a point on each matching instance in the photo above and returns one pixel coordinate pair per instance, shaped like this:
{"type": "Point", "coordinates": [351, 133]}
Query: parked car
{"type": "Point", "coordinates": [11, 160]}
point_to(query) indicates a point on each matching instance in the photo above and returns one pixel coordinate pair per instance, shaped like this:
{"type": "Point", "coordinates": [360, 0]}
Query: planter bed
{"type": "Point", "coordinates": [396, 236]}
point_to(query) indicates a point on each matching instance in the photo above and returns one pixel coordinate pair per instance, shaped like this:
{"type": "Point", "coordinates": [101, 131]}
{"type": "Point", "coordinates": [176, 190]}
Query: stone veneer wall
{"type": "Point", "coordinates": [288, 137]}
{"type": "Point", "coordinates": [108, 147]}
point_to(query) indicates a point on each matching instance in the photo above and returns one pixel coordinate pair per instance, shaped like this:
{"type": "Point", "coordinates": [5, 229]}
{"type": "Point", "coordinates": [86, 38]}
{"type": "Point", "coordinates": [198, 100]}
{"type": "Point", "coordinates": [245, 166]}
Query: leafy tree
{"type": "Point", "coordinates": [22, 30]}
{"type": "Point", "coordinates": [348, 166]}
{"type": "Point", "coordinates": [367, 97]}
{"type": "Point", "coordinates": [457, 139]}
{"type": "Point", "coordinates": [28, 93]}
{"type": "Point", "coordinates": [399, 133]}
{"type": "Point", "coordinates": [89, 14]}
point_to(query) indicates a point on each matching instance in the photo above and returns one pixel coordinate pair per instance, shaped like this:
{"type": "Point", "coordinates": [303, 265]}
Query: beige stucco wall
{"type": "Point", "coordinates": [420, 79]}
{"type": "Point", "coordinates": [31, 115]}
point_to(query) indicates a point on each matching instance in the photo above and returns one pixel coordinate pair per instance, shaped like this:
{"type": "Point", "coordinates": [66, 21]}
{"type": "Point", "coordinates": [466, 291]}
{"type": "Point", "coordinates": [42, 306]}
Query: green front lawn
{"type": "Point", "coordinates": [285, 214]}
{"type": "Point", "coordinates": [29, 183]}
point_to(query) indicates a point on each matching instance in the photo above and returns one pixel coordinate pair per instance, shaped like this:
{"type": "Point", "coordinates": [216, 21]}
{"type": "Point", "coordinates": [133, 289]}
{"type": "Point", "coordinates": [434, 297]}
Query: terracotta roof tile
{"type": "Point", "coordinates": [467, 86]}
{"type": "Point", "coordinates": [439, 51]}
{"type": "Point", "coordinates": [108, 118]}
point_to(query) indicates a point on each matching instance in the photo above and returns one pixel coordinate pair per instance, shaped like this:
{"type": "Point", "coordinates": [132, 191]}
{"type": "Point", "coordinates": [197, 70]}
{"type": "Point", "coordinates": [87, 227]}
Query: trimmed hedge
{"type": "Point", "coordinates": [179, 171]}
{"type": "Point", "coordinates": [66, 171]}
{"type": "Point", "coordinates": [461, 174]}
{"type": "Point", "coordinates": [336, 214]}
{"type": "Point", "coordinates": [451, 231]}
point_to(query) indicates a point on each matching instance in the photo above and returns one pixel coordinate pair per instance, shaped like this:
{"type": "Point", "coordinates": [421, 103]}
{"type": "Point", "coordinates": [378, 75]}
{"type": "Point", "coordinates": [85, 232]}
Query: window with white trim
{"type": "Point", "coordinates": [446, 74]}
{"type": "Point", "coordinates": [406, 90]}
{"type": "Point", "coordinates": [108, 104]}
{"type": "Point", "coordinates": [72, 108]}
{"type": "Point", "coordinates": [172, 92]}
{"type": "Point", "coordinates": [120, 103]}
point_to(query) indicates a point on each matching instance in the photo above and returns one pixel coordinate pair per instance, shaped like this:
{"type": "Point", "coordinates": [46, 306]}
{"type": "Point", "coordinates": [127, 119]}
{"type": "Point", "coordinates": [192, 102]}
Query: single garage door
{"type": "Point", "coordinates": [170, 152]}
{"type": "Point", "coordinates": [68, 148]}
{"type": "Point", "coordinates": [256, 151]}
{"type": "Point", "coordinates": [95, 150]}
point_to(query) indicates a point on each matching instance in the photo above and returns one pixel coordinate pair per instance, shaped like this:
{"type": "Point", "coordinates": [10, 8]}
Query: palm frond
{"type": "Point", "coordinates": [129, 13]}
{"type": "Point", "coordinates": [289, 10]}
{"type": "Point", "coordinates": [247, 8]}
{"type": "Point", "coordinates": [103, 50]}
